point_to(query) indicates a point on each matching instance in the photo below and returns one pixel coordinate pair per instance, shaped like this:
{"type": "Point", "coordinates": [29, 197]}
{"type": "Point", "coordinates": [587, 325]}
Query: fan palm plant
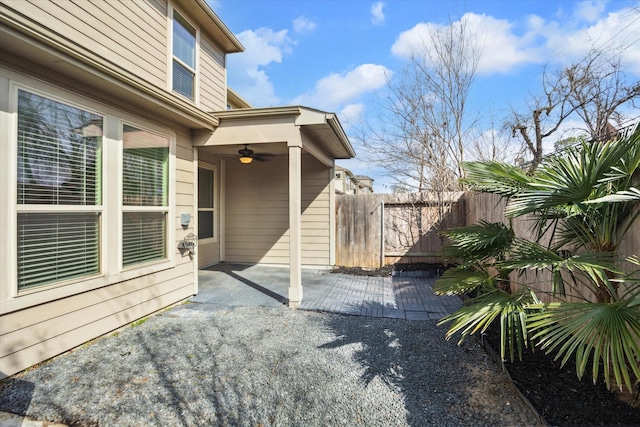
{"type": "Point", "coordinates": [581, 202]}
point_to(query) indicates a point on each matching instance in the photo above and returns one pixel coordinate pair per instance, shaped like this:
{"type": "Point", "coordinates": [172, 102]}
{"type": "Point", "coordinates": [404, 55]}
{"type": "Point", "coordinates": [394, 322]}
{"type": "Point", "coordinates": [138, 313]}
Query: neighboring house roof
{"type": "Point", "coordinates": [235, 100]}
{"type": "Point", "coordinates": [275, 124]}
{"type": "Point", "coordinates": [346, 172]}
{"type": "Point", "coordinates": [359, 181]}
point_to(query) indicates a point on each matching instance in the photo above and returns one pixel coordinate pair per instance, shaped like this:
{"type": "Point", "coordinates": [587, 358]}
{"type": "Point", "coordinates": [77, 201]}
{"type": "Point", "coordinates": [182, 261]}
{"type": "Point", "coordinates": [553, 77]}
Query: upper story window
{"type": "Point", "coordinates": [184, 57]}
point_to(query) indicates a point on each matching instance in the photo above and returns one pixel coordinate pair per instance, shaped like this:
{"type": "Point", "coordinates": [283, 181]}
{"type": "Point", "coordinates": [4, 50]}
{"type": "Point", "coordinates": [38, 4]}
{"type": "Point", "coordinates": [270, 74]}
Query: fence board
{"type": "Point", "coordinates": [358, 230]}
{"type": "Point", "coordinates": [408, 224]}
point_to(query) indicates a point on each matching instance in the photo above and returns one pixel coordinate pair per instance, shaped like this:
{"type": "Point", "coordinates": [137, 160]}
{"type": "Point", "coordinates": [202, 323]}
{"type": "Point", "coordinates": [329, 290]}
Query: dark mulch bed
{"type": "Point", "coordinates": [387, 270]}
{"type": "Point", "coordinates": [560, 397]}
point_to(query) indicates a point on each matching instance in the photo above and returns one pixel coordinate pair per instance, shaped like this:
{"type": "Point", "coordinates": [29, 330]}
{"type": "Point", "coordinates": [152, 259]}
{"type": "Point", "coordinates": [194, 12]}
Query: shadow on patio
{"type": "Point", "coordinates": [398, 296]}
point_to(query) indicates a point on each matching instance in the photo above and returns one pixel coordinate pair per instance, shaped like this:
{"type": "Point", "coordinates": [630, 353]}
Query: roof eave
{"type": "Point", "coordinates": [304, 116]}
{"type": "Point", "coordinates": [222, 33]}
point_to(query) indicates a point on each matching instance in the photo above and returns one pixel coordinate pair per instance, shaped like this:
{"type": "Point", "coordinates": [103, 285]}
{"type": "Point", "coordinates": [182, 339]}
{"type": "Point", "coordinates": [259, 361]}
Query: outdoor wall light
{"type": "Point", "coordinates": [246, 160]}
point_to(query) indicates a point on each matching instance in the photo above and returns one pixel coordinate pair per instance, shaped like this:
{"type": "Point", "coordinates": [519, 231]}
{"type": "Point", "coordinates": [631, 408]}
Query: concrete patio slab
{"type": "Point", "coordinates": [399, 297]}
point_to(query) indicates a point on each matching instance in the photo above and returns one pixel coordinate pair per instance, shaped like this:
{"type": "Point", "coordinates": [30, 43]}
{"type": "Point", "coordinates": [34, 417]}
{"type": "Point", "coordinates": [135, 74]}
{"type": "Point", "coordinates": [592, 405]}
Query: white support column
{"type": "Point", "coordinates": [295, 225]}
{"type": "Point", "coordinates": [332, 214]}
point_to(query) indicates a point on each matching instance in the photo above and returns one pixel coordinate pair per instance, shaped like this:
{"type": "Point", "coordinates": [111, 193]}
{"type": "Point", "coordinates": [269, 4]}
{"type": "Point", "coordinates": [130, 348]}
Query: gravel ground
{"type": "Point", "coordinates": [257, 366]}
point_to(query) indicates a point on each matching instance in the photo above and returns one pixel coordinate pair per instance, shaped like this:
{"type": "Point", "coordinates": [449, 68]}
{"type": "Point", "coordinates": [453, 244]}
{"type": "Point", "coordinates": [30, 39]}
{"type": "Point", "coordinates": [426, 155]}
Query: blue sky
{"type": "Point", "coordinates": [335, 55]}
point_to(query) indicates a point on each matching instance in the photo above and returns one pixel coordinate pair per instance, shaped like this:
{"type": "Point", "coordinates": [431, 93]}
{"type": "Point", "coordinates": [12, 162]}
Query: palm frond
{"type": "Point", "coordinates": [630, 195]}
{"type": "Point", "coordinates": [568, 178]}
{"type": "Point", "coordinates": [495, 177]}
{"type": "Point", "coordinates": [607, 331]}
{"type": "Point", "coordinates": [477, 242]}
{"type": "Point", "coordinates": [481, 312]}
{"type": "Point", "coordinates": [458, 281]}
{"type": "Point", "coordinates": [528, 255]}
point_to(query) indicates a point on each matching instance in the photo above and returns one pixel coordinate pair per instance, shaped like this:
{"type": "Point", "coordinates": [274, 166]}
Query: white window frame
{"type": "Point", "coordinates": [74, 102]}
{"type": "Point", "coordinates": [171, 58]}
{"type": "Point", "coordinates": [147, 209]}
{"type": "Point", "coordinates": [216, 202]}
{"type": "Point", "coordinates": [111, 271]}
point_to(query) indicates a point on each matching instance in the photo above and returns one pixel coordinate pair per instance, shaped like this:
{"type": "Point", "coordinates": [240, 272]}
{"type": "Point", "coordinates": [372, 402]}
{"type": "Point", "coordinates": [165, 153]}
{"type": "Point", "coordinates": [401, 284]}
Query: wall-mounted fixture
{"type": "Point", "coordinates": [185, 219]}
{"type": "Point", "coordinates": [188, 244]}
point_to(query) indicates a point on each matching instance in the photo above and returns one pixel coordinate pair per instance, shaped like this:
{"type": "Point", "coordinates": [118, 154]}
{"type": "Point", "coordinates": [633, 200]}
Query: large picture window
{"type": "Point", "coordinates": [184, 57]}
{"type": "Point", "coordinates": [59, 191]}
{"type": "Point", "coordinates": [144, 196]}
{"type": "Point", "coordinates": [206, 203]}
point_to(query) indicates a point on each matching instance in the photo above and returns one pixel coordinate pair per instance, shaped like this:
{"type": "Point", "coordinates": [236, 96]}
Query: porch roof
{"type": "Point", "coordinates": [310, 128]}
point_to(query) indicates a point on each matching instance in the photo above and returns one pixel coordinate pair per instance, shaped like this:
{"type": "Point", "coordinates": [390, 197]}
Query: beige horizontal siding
{"type": "Point", "coordinates": [80, 309]}
{"type": "Point", "coordinates": [239, 233]}
{"type": "Point", "coordinates": [208, 254]}
{"type": "Point", "coordinates": [132, 35]}
{"type": "Point", "coordinates": [257, 212]}
{"type": "Point", "coordinates": [316, 225]}
{"type": "Point", "coordinates": [212, 77]}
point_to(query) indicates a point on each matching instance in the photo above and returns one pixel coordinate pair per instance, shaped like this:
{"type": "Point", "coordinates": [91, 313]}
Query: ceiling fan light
{"type": "Point", "coordinates": [246, 160]}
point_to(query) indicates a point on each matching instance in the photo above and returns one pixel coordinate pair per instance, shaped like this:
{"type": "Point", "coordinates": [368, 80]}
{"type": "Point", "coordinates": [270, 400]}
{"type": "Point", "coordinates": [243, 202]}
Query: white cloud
{"type": "Point", "coordinates": [589, 11]}
{"type": "Point", "coordinates": [264, 46]}
{"type": "Point", "coordinates": [377, 15]}
{"type": "Point", "coordinates": [351, 114]}
{"type": "Point", "coordinates": [334, 90]}
{"type": "Point", "coordinates": [617, 32]}
{"type": "Point", "coordinates": [500, 48]}
{"type": "Point", "coordinates": [303, 25]}
{"type": "Point", "coordinates": [505, 45]}
{"type": "Point", "coordinates": [246, 72]}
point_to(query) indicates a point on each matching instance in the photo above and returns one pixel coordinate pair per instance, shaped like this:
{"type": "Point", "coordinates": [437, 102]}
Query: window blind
{"type": "Point", "coordinates": [184, 41]}
{"type": "Point", "coordinates": [59, 153]}
{"type": "Point", "coordinates": [205, 224]}
{"type": "Point", "coordinates": [144, 172]}
{"type": "Point", "coordinates": [144, 184]}
{"type": "Point", "coordinates": [205, 188]}
{"type": "Point", "coordinates": [184, 53]}
{"type": "Point", "coordinates": [143, 237]}
{"type": "Point", "coordinates": [54, 247]}
{"type": "Point", "coordinates": [183, 80]}
{"type": "Point", "coordinates": [205, 203]}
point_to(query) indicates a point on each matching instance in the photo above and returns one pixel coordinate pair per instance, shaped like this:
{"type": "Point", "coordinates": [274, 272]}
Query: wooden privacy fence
{"type": "Point", "coordinates": [373, 230]}
{"type": "Point", "coordinates": [490, 207]}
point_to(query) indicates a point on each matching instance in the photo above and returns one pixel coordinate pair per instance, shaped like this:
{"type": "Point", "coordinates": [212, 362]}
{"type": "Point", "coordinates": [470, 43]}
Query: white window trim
{"type": "Point", "coordinates": [167, 210]}
{"type": "Point", "coordinates": [170, 58]}
{"type": "Point", "coordinates": [111, 208]}
{"type": "Point", "coordinates": [216, 203]}
{"type": "Point", "coordinates": [72, 101]}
